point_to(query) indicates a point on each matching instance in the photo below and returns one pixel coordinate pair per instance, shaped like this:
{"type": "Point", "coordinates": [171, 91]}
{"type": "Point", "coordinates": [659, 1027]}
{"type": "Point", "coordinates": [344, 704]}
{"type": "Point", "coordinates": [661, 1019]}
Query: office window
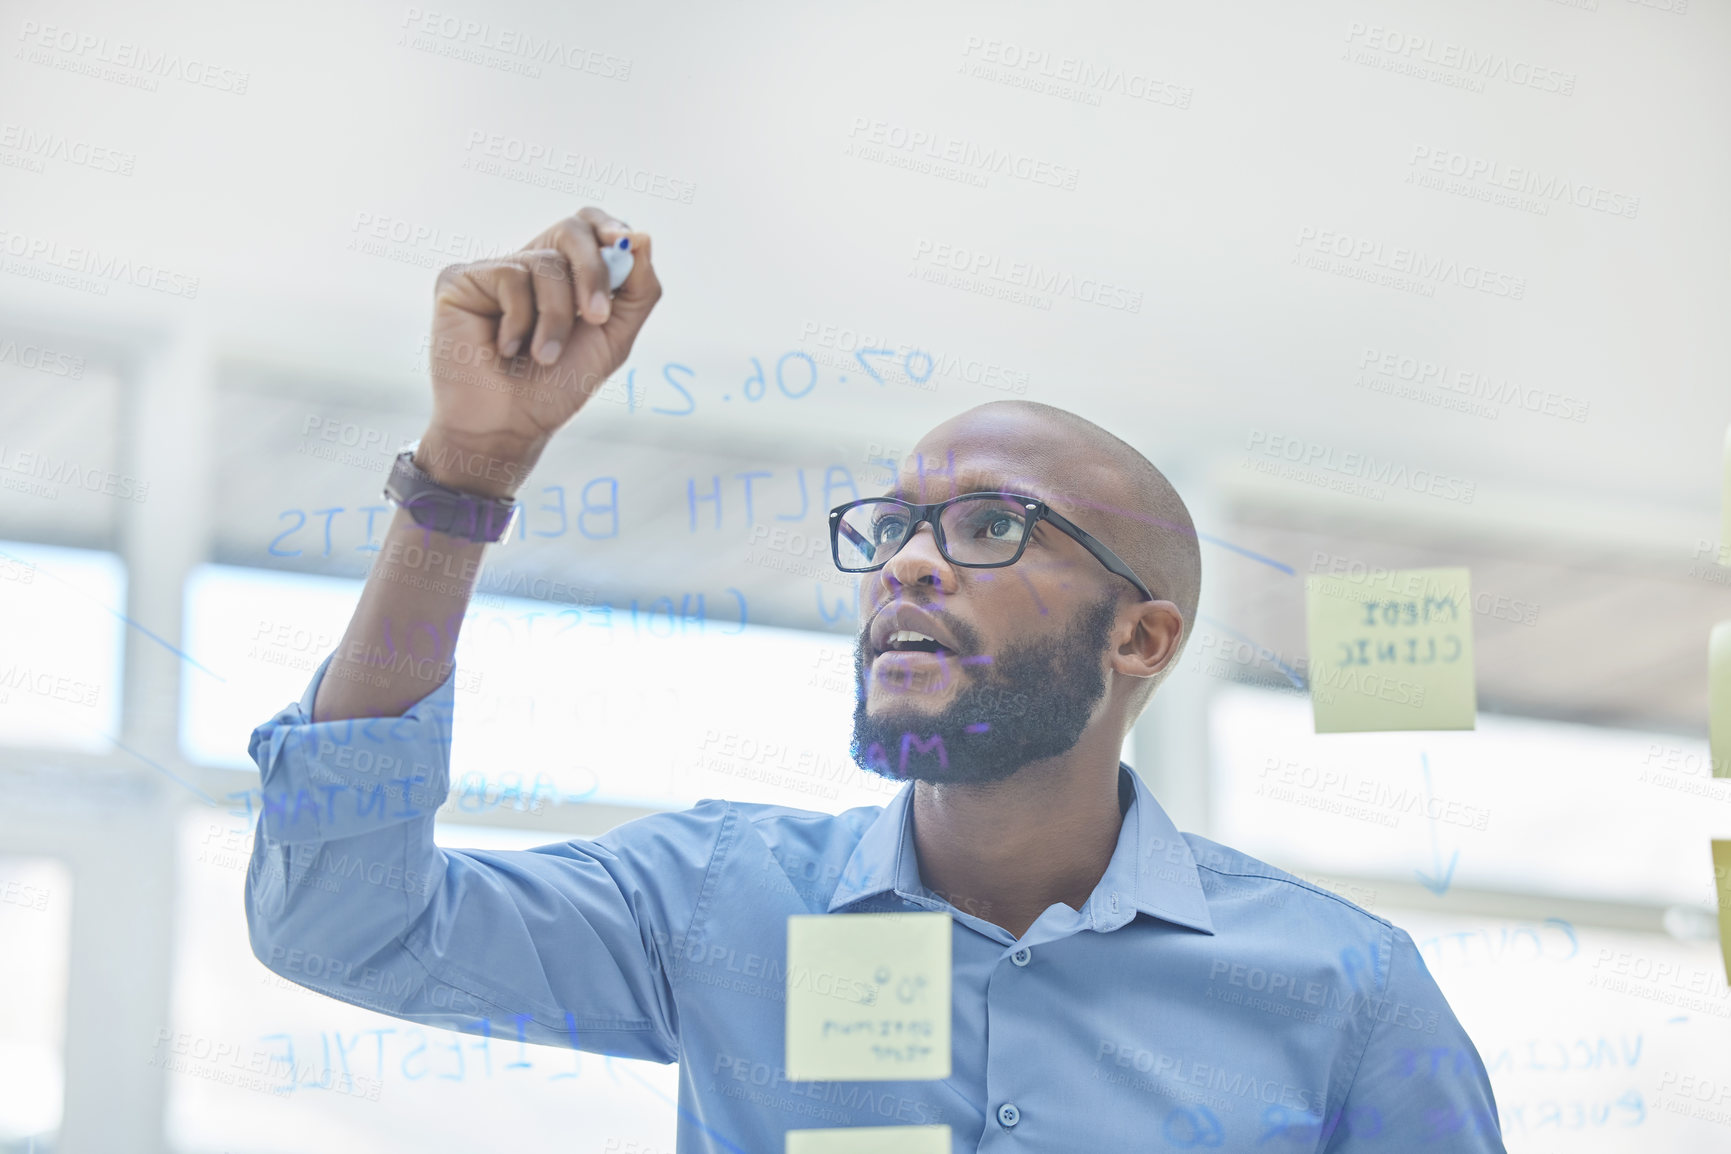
{"type": "Point", "coordinates": [62, 617]}
{"type": "Point", "coordinates": [1517, 804]}
{"type": "Point", "coordinates": [556, 701]}
{"type": "Point", "coordinates": [35, 957]}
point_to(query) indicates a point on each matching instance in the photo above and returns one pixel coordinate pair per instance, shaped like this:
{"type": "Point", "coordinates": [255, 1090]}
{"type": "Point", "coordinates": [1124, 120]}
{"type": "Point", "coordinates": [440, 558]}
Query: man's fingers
{"type": "Point", "coordinates": [540, 292]}
{"type": "Point", "coordinates": [574, 238]}
{"type": "Point", "coordinates": [508, 283]}
{"type": "Point", "coordinates": [640, 284]}
{"type": "Point", "coordinates": [555, 301]}
{"type": "Point", "coordinates": [638, 295]}
{"type": "Point", "coordinates": [610, 230]}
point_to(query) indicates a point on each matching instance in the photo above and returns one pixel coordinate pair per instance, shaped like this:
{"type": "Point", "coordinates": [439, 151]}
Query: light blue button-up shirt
{"type": "Point", "coordinates": [1199, 998]}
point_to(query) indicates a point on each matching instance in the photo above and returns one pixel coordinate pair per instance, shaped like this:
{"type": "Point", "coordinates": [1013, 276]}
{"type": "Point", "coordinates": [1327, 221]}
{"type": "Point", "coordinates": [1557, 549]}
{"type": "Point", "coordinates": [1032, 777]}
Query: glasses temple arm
{"type": "Point", "coordinates": [1098, 548]}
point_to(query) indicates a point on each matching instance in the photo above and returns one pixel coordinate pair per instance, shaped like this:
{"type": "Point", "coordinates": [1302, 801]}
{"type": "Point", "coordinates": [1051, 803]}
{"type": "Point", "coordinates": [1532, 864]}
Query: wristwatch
{"type": "Point", "coordinates": [468, 516]}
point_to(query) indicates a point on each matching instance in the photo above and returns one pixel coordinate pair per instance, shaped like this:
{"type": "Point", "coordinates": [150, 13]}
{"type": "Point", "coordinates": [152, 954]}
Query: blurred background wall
{"type": "Point", "coordinates": [1378, 285]}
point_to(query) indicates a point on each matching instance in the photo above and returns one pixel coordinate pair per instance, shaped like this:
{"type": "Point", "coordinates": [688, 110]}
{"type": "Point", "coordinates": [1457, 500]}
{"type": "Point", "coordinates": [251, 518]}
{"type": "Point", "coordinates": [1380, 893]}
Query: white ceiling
{"type": "Point", "coordinates": [1284, 136]}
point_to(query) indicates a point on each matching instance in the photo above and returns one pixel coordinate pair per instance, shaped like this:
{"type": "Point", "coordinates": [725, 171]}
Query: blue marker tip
{"type": "Point", "coordinates": [625, 242]}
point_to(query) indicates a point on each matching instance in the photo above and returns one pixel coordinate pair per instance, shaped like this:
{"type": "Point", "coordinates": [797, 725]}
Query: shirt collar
{"type": "Point", "coordinates": [1151, 870]}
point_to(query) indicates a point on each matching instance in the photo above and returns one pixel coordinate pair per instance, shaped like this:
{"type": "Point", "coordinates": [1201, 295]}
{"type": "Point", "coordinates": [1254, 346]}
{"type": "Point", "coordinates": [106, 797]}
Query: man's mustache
{"type": "Point", "coordinates": [967, 637]}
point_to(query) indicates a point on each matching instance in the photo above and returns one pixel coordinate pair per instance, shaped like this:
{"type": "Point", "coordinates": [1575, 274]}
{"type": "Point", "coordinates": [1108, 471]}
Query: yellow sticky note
{"type": "Point", "coordinates": [1722, 883]}
{"type": "Point", "coordinates": [1719, 698]}
{"type": "Point", "coordinates": [868, 996]}
{"type": "Point", "coordinates": [1391, 650]}
{"type": "Point", "coordinates": [871, 1140]}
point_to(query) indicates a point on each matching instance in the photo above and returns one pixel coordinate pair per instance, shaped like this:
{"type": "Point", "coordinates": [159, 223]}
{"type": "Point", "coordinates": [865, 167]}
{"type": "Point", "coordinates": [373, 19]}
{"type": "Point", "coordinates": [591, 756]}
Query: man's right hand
{"type": "Point", "coordinates": [521, 342]}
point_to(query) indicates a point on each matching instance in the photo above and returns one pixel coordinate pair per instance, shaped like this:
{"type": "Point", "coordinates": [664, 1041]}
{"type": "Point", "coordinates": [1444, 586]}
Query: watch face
{"type": "Point", "coordinates": [445, 510]}
{"type": "Point", "coordinates": [400, 483]}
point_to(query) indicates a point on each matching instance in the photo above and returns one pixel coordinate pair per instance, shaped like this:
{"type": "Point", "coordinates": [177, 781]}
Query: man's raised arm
{"type": "Point", "coordinates": [347, 893]}
{"type": "Point", "coordinates": [519, 344]}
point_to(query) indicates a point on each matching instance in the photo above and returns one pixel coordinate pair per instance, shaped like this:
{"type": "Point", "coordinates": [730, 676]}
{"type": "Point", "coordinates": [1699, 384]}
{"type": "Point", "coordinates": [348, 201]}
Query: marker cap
{"type": "Point", "coordinates": [619, 262]}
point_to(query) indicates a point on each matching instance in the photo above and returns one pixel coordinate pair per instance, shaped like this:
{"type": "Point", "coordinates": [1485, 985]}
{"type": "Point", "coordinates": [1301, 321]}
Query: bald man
{"type": "Point", "coordinates": [1024, 586]}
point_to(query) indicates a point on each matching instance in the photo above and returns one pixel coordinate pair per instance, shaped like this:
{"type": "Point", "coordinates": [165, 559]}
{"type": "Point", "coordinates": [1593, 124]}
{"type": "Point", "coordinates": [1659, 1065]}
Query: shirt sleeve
{"type": "Point", "coordinates": [347, 894]}
{"type": "Point", "coordinates": [1420, 1084]}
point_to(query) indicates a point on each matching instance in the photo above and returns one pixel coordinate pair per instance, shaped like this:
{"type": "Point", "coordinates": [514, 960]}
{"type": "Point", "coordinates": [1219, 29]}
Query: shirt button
{"type": "Point", "coordinates": [1008, 1115]}
{"type": "Point", "coordinates": [1021, 957]}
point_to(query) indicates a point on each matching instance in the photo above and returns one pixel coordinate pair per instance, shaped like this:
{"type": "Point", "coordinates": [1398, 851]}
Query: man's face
{"type": "Point", "coordinates": [1019, 665]}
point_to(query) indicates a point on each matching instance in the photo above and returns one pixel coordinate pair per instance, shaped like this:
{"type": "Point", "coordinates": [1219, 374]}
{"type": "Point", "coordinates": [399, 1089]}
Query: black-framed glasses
{"type": "Point", "coordinates": [974, 530]}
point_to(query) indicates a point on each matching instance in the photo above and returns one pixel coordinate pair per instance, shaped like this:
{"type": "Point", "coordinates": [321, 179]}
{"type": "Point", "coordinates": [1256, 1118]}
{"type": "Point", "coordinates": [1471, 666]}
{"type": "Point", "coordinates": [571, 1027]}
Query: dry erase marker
{"type": "Point", "coordinates": [618, 259]}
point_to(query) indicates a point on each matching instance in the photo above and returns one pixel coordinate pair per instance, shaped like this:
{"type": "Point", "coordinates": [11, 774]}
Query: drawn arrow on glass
{"type": "Point", "coordinates": [1438, 884]}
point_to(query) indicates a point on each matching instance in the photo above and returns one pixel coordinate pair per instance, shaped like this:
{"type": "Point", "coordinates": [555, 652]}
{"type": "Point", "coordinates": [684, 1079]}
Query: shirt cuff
{"type": "Point", "coordinates": [332, 779]}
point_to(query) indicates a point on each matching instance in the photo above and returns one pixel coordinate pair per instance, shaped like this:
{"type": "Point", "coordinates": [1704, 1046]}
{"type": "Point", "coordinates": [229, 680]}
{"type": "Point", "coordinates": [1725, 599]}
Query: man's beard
{"type": "Point", "coordinates": [1032, 700]}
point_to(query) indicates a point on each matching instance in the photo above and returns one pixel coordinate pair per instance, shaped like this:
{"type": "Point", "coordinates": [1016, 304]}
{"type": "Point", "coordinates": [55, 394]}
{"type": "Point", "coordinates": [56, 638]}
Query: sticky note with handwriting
{"type": "Point", "coordinates": [868, 997]}
{"type": "Point", "coordinates": [1719, 698]}
{"type": "Point", "coordinates": [871, 1140]}
{"type": "Point", "coordinates": [1391, 650]}
{"type": "Point", "coordinates": [1722, 885]}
